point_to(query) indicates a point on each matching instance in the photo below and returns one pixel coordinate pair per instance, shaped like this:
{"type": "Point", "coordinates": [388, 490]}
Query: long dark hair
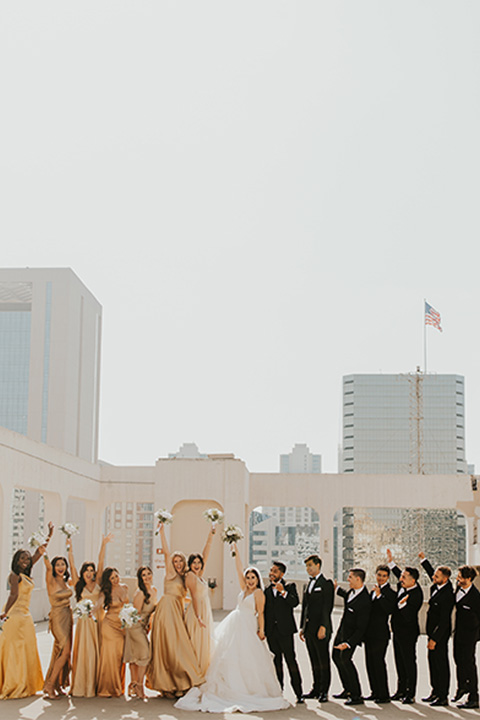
{"type": "Point", "coordinates": [106, 586]}
{"type": "Point", "coordinates": [195, 556]}
{"type": "Point", "coordinates": [55, 560]}
{"type": "Point", "coordinates": [141, 584]}
{"type": "Point", "coordinates": [80, 584]}
{"type": "Point", "coordinates": [15, 561]}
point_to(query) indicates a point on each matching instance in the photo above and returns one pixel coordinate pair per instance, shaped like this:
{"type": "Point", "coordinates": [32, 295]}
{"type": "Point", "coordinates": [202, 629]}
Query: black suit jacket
{"type": "Point", "coordinates": [440, 606]}
{"type": "Point", "coordinates": [382, 607]}
{"type": "Point", "coordinates": [317, 607]}
{"type": "Point", "coordinates": [405, 620]}
{"type": "Point", "coordinates": [279, 610]}
{"type": "Point", "coordinates": [467, 619]}
{"type": "Point", "coordinates": [356, 615]}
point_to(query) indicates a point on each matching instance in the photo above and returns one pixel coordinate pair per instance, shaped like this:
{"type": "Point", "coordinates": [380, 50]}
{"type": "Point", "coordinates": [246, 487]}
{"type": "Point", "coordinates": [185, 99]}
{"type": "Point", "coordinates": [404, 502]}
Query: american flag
{"type": "Point", "coordinates": [432, 317]}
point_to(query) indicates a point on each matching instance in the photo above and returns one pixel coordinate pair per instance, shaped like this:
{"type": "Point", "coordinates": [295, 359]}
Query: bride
{"type": "Point", "coordinates": [241, 676]}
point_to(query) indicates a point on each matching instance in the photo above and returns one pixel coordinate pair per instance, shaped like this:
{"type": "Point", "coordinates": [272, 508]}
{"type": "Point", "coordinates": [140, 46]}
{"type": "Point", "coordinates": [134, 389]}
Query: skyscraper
{"type": "Point", "coordinates": [50, 335]}
{"type": "Point", "coordinates": [300, 460]}
{"type": "Point", "coordinates": [410, 423]}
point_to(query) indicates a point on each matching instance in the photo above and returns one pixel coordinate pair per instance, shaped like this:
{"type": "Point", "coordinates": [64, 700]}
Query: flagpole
{"type": "Point", "coordinates": [424, 339]}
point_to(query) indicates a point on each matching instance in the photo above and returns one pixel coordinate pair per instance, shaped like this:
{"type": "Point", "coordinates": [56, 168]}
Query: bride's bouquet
{"type": "Point", "coordinates": [164, 517]}
{"type": "Point", "coordinates": [84, 608]}
{"type": "Point", "coordinates": [69, 529]}
{"type": "Point", "coordinates": [37, 538]}
{"type": "Point", "coordinates": [214, 516]}
{"type": "Point", "coordinates": [232, 534]}
{"type": "Point", "coordinates": [129, 616]}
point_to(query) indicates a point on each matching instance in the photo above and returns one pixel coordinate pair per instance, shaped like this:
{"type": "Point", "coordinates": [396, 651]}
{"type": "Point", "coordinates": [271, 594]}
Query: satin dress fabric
{"type": "Point", "coordinates": [20, 669]}
{"type": "Point", "coordinates": [202, 638]}
{"type": "Point", "coordinates": [111, 672]}
{"type": "Point", "coordinates": [241, 676]}
{"type": "Point", "coordinates": [137, 646]}
{"type": "Point", "coordinates": [173, 668]}
{"type": "Point", "coordinates": [86, 651]}
{"type": "Point", "coordinates": [61, 626]}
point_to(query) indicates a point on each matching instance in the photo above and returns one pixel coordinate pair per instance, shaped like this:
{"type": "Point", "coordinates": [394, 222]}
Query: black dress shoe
{"type": "Point", "coordinates": [312, 695]}
{"type": "Point", "coordinates": [370, 697]}
{"type": "Point", "coordinates": [398, 695]}
{"type": "Point", "coordinates": [300, 700]}
{"type": "Point", "coordinates": [439, 702]}
{"type": "Point", "coordinates": [459, 694]}
{"type": "Point", "coordinates": [342, 696]}
{"type": "Point", "coordinates": [469, 704]}
{"type": "Point", "coordinates": [382, 701]}
{"type": "Point", "coordinates": [354, 701]}
{"type": "Point", "coordinates": [408, 700]}
{"type": "Point", "coordinates": [430, 698]}
{"type": "Point", "coordinates": [323, 697]}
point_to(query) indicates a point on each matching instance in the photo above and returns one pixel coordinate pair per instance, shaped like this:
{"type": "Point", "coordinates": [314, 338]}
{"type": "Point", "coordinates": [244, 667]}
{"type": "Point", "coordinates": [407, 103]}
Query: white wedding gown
{"type": "Point", "coordinates": [241, 676]}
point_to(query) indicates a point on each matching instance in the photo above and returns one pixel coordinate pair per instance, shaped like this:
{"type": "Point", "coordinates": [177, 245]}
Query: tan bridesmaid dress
{"type": "Point", "coordinates": [60, 625]}
{"type": "Point", "coordinates": [111, 672]}
{"type": "Point", "coordinates": [137, 647]}
{"type": "Point", "coordinates": [20, 669]}
{"type": "Point", "coordinates": [173, 668]}
{"type": "Point", "coordinates": [86, 651]}
{"type": "Point", "coordinates": [201, 637]}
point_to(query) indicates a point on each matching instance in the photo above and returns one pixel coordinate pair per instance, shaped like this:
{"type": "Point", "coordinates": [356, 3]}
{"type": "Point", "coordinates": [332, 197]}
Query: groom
{"type": "Point", "coordinates": [280, 625]}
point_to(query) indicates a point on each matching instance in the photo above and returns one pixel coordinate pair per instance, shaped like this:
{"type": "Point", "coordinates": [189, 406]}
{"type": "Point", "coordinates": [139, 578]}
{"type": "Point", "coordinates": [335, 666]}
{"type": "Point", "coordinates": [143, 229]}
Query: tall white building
{"type": "Point", "coordinates": [50, 335]}
{"type": "Point", "coordinates": [406, 423]}
{"type": "Point", "coordinates": [300, 460]}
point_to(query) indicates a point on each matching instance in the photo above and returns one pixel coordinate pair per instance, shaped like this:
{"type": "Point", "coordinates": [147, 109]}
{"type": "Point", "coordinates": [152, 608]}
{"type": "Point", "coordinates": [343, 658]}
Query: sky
{"type": "Point", "coordinates": [259, 194]}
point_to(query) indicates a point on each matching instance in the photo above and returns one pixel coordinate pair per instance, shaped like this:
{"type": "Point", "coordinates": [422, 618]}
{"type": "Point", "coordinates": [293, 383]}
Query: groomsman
{"type": "Point", "coordinates": [439, 629]}
{"type": "Point", "coordinates": [406, 630]}
{"type": "Point", "coordinates": [377, 636]}
{"type": "Point", "coordinates": [467, 626]}
{"type": "Point", "coordinates": [280, 625]}
{"type": "Point", "coordinates": [316, 626]}
{"type": "Point", "coordinates": [351, 633]}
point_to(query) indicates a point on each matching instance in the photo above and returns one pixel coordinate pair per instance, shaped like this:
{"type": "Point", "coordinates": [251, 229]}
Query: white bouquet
{"type": "Point", "coordinates": [164, 517]}
{"type": "Point", "coordinates": [84, 608]}
{"type": "Point", "coordinates": [232, 534]}
{"type": "Point", "coordinates": [69, 529]}
{"type": "Point", "coordinates": [37, 538]}
{"type": "Point", "coordinates": [213, 515]}
{"type": "Point", "coordinates": [129, 616]}
{"type": "Point", "coordinates": [2, 622]}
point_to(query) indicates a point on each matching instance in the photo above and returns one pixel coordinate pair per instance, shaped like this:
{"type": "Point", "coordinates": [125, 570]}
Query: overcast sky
{"type": "Point", "coordinates": [260, 194]}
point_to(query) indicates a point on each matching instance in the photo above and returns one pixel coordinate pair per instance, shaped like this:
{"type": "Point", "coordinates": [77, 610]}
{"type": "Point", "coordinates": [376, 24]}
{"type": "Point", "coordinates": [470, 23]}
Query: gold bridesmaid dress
{"type": "Point", "coordinates": [174, 667]}
{"type": "Point", "coordinates": [61, 626]}
{"type": "Point", "coordinates": [20, 669]}
{"type": "Point", "coordinates": [86, 652]}
{"type": "Point", "coordinates": [137, 647]}
{"type": "Point", "coordinates": [201, 637]}
{"type": "Point", "coordinates": [111, 671]}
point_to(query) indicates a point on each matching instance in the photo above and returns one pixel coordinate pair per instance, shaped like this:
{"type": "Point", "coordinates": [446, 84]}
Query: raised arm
{"type": "Point", "coordinates": [41, 549]}
{"type": "Point", "coordinates": [71, 562]}
{"type": "Point", "coordinates": [238, 565]}
{"type": "Point", "coordinates": [48, 571]}
{"type": "Point", "coordinates": [427, 566]}
{"type": "Point", "coordinates": [101, 555]}
{"type": "Point", "coordinates": [191, 585]}
{"type": "Point", "coordinates": [392, 564]}
{"type": "Point", "coordinates": [208, 547]}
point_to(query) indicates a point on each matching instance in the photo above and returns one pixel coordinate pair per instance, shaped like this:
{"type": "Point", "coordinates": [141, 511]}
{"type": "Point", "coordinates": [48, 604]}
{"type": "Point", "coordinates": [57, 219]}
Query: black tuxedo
{"type": "Point", "coordinates": [280, 628]}
{"type": "Point", "coordinates": [377, 637]}
{"type": "Point", "coordinates": [317, 606]}
{"type": "Point", "coordinates": [352, 628]}
{"type": "Point", "coordinates": [467, 627]}
{"type": "Point", "coordinates": [406, 630]}
{"type": "Point", "coordinates": [439, 629]}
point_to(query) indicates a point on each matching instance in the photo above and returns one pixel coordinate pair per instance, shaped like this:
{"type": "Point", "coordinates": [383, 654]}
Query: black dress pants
{"type": "Point", "coordinates": [464, 655]}
{"type": "Point", "coordinates": [347, 671]}
{"type": "Point", "coordinates": [405, 652]}
{"type": "Point", "coordinates": [282, 646]}
{"type": "Point", "coordinates": [319, 654]}
{"type": "Point", "coordinates": [439, 668]}
{"type": "Point", "coordinates": [375, 651]}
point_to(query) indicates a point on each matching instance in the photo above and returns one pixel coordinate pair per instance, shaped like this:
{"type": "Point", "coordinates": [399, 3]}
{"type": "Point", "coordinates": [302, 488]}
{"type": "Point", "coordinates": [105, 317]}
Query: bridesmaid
{"type": "Point", "coordinates": [20, 669]}
{"type": "Point", "coordinates": [86, 648]}
{"type": "Point", "coordinates": [173, 668]}
{"type": "Point", "coordinates": [111, 672]}
{"type": "Point", "coordinates": [198, 617]}
{"type": "Point", "coordinates": [60, 624]}
{"type": "Point", "coordinates": [137, 647]}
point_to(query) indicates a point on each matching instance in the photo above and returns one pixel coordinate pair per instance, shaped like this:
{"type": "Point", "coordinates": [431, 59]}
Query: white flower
{"type": "Point", "coordinates": [37, 538]}
{"type": "Point", "coordinates": [69, 529]}
{"type": "Point", "coordinates": [129, 616]}
{"type": "Point", "coordinates": [84, 608]}
{"type": "Point", "coordinates": [213, 515]}
{"type": "Point", "coordinates": [164, 517]}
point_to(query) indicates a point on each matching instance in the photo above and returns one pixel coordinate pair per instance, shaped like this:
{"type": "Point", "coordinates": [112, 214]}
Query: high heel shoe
{"type": "Point", "coordinates": [132, 690]}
